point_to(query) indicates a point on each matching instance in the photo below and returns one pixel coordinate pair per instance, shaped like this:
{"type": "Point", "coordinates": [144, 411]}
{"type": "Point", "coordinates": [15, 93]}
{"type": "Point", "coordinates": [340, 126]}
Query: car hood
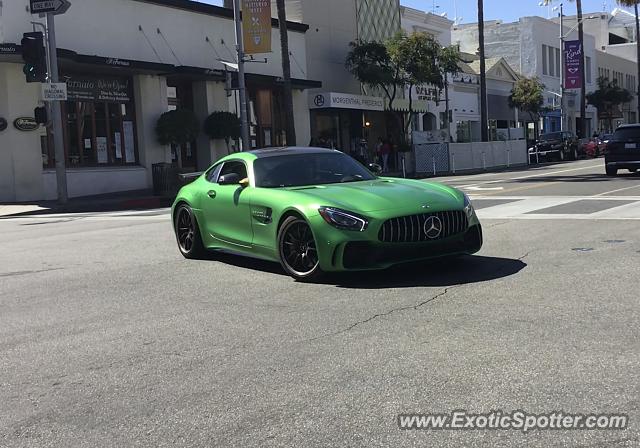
{"type": "Point", "coordinates": [383, 194]}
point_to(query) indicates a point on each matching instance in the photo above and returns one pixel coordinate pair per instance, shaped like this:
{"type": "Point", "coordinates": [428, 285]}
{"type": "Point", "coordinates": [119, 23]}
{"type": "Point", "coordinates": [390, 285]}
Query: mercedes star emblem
{"type": "Point", "coordinates": [433, 227]}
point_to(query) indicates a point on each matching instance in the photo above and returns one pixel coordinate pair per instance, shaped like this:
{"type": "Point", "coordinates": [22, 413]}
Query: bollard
{"type": "Point", "coordinates": [453, 162]}
{"type": "Point", "coordinates": [508, 158]}
{"type": "Point", "coordinates": [434, 164]}
{"type": "Point", "coordinates": [484, 161]}
{"type": "Point", "coordinates": [404, 168]}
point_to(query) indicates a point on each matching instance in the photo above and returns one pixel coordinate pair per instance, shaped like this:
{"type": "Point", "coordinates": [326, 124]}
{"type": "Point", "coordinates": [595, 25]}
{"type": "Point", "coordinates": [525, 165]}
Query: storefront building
{"type": "Point", "coordinates": [141, 59]}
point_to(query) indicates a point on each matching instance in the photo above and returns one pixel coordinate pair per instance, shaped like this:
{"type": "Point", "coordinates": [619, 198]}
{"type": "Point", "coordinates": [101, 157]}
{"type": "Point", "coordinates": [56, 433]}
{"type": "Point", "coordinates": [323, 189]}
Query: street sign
{"type": "Point", "coordinates": [49, 6]}
{"type": "Point", "coordinates": [54, 92]}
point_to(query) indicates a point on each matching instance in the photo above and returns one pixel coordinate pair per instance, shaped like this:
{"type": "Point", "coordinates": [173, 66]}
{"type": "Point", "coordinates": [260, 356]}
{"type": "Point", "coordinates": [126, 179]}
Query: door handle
{"type": "Point", "coordinates": [211, 194]}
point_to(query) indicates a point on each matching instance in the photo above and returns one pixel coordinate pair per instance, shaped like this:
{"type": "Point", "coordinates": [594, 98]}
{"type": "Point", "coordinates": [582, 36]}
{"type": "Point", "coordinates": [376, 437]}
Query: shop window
{"type": "Point", "coordinates": [98, 124]}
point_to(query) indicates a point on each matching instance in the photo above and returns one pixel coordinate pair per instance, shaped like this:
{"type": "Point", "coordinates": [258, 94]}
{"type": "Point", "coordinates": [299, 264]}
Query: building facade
{"type": "Point", "coordinates": [140, 59]}
{"type": "Point", "coordinates": [532, 48]}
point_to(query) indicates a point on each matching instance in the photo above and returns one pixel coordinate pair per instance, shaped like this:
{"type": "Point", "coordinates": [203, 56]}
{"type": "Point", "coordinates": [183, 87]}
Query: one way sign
{"type": "Point", "coordinates": [49, 6]}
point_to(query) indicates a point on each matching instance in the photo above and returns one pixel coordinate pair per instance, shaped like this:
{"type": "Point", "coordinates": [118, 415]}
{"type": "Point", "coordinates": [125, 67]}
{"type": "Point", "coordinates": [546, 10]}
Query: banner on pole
{"type": "Point", "coordinates": [572, 69]}
{"type": "Point", "coordinates": [256, 26]}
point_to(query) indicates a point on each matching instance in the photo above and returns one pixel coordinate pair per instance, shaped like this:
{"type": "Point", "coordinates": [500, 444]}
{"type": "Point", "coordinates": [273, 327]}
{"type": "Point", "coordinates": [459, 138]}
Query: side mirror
{"type": "Point", "coordinates": [229, 179]}
{"type": "Point", "coordinates": [375, 169]}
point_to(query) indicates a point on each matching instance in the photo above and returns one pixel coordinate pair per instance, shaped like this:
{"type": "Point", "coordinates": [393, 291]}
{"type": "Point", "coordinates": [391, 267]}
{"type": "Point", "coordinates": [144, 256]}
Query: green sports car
{"type": "Point", "coordinates": [318, 210]}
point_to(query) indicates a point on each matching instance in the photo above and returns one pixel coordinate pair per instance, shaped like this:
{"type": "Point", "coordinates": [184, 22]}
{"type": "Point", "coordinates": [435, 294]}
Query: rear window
{"type": "Point", "coordinates": [625, 134]}
{"type": "Point", "coordinates": [552, 136]}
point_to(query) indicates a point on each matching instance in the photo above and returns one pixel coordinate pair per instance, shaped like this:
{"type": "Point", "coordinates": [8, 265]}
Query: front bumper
{"type": "Point", "coordinates": [356, 251]}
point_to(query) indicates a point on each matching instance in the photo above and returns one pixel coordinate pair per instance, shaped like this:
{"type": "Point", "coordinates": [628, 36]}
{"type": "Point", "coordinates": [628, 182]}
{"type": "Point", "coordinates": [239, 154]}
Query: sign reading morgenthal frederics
{"type": "Point", "coordinates": [97, 89]}
{"type": "Point", "coordinates": [346, 101]}
{"type": "Point", "coordinates": [256, 26]}
{"type": "Point", "coordinates": [573, 70]}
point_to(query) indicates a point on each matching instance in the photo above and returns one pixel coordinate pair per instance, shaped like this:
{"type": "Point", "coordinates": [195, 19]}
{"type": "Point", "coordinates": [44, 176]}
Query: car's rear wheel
{"type": "Point", "coordinates": [188, 233]}
{"type": "Point", "coordinates": [633, 170]}
{"type": "Point", "coordinates": [561, 155]}
{"type": "Point", "coordinates": [298, 250]}
{"type": "Point", "coordinates": [612, 171]}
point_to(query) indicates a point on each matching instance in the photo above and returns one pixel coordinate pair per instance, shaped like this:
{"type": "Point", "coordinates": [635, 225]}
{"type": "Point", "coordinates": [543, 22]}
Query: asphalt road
{"type": "Point", "coordinates": [108, 337]}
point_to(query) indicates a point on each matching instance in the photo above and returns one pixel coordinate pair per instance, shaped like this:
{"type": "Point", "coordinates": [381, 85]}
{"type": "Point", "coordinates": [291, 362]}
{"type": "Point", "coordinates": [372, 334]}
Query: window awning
{"type": "Point", "coordinates": [402, 104]}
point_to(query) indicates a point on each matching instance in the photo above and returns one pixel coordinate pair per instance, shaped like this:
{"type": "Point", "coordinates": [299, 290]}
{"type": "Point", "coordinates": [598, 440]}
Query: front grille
{"type": "Point", "coordinates": [411, 229]}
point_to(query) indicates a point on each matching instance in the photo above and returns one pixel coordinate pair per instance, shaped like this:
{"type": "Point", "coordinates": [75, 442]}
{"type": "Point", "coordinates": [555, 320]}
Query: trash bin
{"type": "Point", "coordinates": [163, 182]}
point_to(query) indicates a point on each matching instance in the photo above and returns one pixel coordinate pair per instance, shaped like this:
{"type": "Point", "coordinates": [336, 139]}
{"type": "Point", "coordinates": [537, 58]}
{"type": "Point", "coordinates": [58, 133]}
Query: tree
{"type": "Point", "coordinates": [528, 96]}
{"type": "Point", "coordinates": [484, 119]}
{"type": "Point", "coordinates": [290, 127]}
{"type": "Point", "coordinates": [608, 98]}
{"type": "Point", "coordinates": [635, 3]}
{"type": "Point", "coordinates": [223, 125]}
{"type": "Point", "coordinates": [449, 63]}
{"type": "Point", "coordinates": [395, 66]}
{"type": "Point", "coordinates": [177, 127]}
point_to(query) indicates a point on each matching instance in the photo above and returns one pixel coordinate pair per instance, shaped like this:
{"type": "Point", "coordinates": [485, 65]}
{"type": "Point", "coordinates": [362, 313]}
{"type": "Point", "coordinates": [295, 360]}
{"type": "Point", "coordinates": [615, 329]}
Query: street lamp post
{"type": "Point", "coordinates": [562, 126]}
{"type": "Point", "coordinates": [242, 89]}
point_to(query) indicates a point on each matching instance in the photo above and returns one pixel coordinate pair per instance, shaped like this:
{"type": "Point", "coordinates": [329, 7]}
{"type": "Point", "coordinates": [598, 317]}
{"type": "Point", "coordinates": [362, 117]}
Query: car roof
{"type": "Point", "coordinates": [629, 126]}
{"type": "Point", "coordinates": [288, 151]}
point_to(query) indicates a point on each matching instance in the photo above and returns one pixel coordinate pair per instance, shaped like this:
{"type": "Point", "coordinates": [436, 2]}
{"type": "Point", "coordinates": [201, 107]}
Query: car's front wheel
{"type": "Point", "coordinates": [298, 250]}
{"type": "Point", "coordinates": [188, 233]}
{"type": "Point", "coordinates": [612, 171]}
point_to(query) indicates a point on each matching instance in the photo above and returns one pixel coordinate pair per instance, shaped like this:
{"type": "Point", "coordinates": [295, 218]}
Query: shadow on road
{"type": "Point", "coordinates": [434, 273]}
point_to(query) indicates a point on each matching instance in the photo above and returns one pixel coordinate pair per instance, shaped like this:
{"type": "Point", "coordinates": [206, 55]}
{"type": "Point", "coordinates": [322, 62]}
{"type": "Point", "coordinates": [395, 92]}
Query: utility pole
{"type": "Point", "coordinates": [242, 89]}
{"type": "Point", "coordinates": [483, 75]}
{"type": "Point", "coordinates": [56, 116]}
{"type": "Point", "coordinates": [562, 126]}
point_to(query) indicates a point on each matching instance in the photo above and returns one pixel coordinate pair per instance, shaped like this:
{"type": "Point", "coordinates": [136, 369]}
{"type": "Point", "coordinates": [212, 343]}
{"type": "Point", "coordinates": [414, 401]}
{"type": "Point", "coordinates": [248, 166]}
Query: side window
{"type": "Point", "coordinates": [214, 173]}
{"type": "Point", "coordinates": [232, 167]}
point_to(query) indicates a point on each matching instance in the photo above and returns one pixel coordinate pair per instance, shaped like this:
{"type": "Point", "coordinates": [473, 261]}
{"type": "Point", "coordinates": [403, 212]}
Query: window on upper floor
{"type": "Point", "coordinates": [545, 69]}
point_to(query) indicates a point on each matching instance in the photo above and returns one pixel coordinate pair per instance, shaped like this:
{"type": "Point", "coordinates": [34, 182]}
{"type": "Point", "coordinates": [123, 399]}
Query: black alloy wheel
{"type": "Point", "coordinates": [188, 233]}
{"type": "Point", "coordinates": [298, 250]}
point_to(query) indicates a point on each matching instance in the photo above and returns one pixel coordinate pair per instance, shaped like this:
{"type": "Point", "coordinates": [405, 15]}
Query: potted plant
{"type": "Point", "coordinates": [223, 126]}
{"type": "Point", "coordinates": [177, 127]}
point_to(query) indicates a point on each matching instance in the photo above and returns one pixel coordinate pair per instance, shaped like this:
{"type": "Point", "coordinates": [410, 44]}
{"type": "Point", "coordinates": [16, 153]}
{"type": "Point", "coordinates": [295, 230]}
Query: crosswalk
{"type": "Point", "coordinates": [558, 207]}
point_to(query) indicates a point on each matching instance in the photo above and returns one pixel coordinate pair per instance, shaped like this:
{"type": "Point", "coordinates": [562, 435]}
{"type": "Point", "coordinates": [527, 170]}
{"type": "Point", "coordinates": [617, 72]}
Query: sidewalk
{"type": "Point", "coordinates": [130, 200]}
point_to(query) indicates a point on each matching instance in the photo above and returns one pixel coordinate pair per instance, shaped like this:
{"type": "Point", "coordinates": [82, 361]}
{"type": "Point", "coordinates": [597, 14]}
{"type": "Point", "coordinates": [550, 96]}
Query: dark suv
{"type": "Point", "coordinates": [557, 145]}
{"type": "Point", "coordinates": [623, 150]}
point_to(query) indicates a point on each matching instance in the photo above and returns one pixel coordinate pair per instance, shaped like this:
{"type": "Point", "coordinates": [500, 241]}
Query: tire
{"type": "Point", "coordinates": [633, 170]}
{"type": "Point", "coordinates": [575, 154]}
{"type": "Point", "coordinates": [612, 171]}
{"type": "Point", "coordinates": [188, 234]}
{"type": "Point", "coordinates": [561, 155]}
{"type": "Point", "coordinates": [298, 251]}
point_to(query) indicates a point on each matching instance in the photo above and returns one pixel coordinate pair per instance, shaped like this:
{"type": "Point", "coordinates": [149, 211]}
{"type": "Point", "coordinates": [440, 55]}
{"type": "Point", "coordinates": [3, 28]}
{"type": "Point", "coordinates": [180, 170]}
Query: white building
{"type": "Point", "coordinates": [531, 47]}
{"type": "Point", "coordinates": [125, 63]}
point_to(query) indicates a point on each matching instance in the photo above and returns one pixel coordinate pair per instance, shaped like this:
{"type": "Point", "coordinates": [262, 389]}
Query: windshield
{"type": "Point", "coordinates": [308, 169]}
{"type": "Point", "coordinates": [625, 134]}
{"type": "Point", "coordinates": [552, 136]}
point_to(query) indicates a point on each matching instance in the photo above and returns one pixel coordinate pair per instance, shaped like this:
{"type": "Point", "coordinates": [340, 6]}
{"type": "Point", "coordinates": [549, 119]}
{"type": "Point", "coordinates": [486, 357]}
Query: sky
{"type": "Point", "coordinates": [506, 10]}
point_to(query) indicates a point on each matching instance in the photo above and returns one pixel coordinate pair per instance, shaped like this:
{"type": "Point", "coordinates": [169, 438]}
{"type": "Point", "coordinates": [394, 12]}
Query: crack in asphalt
{"type": "Point", "coordinates": [399, 309]}
{"type": "Point", "coordinates": [11, 274]}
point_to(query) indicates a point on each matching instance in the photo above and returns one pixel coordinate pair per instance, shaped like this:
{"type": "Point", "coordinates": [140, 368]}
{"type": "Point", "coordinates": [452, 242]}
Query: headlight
{"type": "Point", "coordinates": [343, 220]}
{"type": "Point", "coordinates": [468, 207]}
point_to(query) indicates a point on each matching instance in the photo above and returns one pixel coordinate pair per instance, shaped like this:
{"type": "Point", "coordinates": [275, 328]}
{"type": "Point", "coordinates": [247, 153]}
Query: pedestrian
{"type": "Point", "coordinates": [385, 151]}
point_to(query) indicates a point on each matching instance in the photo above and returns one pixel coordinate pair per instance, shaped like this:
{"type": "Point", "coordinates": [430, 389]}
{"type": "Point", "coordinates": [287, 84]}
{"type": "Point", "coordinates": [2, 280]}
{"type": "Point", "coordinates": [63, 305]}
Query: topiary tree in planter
{"type": "Point", "coordinates": [177, 127]}
{"type": "Point", "coordinates": [223, 125]}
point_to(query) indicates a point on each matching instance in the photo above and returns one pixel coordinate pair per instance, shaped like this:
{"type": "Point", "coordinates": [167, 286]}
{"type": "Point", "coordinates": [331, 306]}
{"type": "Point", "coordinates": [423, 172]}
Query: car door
{"type": "Point", "coordinates": [227, 208]}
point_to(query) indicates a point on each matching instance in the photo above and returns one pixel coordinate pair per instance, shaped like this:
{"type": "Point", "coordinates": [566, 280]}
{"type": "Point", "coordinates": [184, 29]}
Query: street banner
{"type": "Point", "coordinates": [572, 70]}
{"type": "Point", "coordinates": [256, 26]}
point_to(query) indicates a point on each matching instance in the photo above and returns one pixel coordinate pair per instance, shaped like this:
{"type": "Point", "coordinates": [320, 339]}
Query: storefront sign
{"type": "Point", "coordinates": [8, 49]}
{"type": "Point", "coordinates": [54, 92]}
{"type": "Point", "coordinates": [346, 101]}
{"type": "Point", "coordinates": [573, 71]}
{"type": "Point", "coordinates": [107, 89]}
{"type": "Point", "coordinates": [25, 124]}
{"type": "Point", "coordinates": [3, 124]}
{"type": "Point", "coordinates": [425, 93]}
{"type": "Point", "coordinates": [256, 26]}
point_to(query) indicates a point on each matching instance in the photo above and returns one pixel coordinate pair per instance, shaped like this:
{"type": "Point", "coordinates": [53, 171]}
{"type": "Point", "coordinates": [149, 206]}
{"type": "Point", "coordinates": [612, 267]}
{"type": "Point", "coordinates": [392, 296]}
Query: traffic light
{"type": "Point", "coordinates": [35, 57]}
{"type": "Point", "coordinates": [40, 114]}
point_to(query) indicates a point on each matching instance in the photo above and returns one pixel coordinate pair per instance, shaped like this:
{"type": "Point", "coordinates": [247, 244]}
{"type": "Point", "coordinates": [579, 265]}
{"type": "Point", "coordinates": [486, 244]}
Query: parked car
{"type": "Point", "coordinates": [555, 146]}
{"type": "Point", "coordinates": [603, 141]}
{"type": "Point", "coordinates": [623, 150]}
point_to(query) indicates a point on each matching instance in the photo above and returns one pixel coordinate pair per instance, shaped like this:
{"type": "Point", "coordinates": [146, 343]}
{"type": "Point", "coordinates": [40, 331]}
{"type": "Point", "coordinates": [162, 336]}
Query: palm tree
{"type": "Point", "coordinates": [286, 74]}
{"type": "Point", "coordinates": [634, 3]}
{"type": "Point", "coordinates": [484, 128]}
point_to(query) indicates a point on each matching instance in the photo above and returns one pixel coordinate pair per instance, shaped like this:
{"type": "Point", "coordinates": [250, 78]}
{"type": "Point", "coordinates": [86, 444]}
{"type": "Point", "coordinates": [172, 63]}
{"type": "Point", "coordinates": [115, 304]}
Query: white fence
{"type": "Point", "coordinates": [487, 155]}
